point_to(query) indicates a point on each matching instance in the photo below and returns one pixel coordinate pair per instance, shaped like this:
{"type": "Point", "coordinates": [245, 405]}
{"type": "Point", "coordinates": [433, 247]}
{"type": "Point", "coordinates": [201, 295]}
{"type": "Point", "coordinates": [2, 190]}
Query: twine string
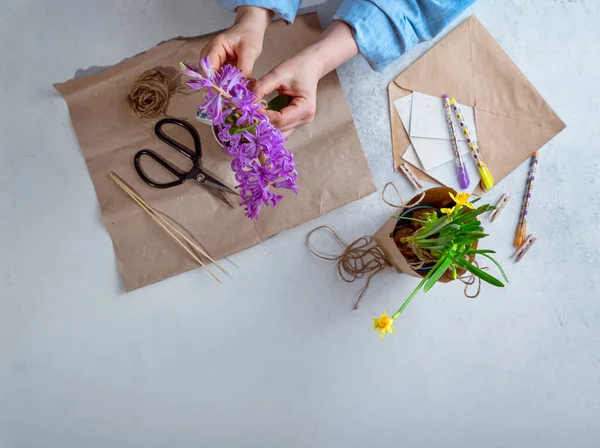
{"type": "Point", "coordinates": [152, 90]}
{"type": "Point", "coordinates": [359, 258]}
{"type": "Point", "coordinates": [364, 257]}
{"type": "Point", "coordinates": [470, 279]}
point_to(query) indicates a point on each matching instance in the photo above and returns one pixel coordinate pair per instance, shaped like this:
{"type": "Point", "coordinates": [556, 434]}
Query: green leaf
{"type": "Point", "coordinates": [465, 241]}
{"type": "Point", "coordinates": [249, 129]}
{"type": "Point", "coordinates": [498, 266]}
{"type": "Point", "coordinates": [479, 273]}
{"type": "Point", "coordinates": [411, 219]}
{"type": "Point", "coordinates": [471, 215]}
{"type": "Point", "coordinates": [279, 102]}
{"type": "Point", "coordinates": [439, 270]}
{"type": "Point", "coordinates": [481, 251]}
{"type": "Point", "coordinates": [433, 227]}
{"type": "Point", "coordinates": [477, 235]}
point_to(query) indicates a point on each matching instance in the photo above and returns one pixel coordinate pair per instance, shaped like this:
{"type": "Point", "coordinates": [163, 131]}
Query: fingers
{"type": "Point", "coordinates": [246, 57]}
{"type": "Point", "coordinates": [267, 84]}
{"type": "Point", "coordinates": [300, 111]}
{"type": "Point", "coordinates": [216, 53]}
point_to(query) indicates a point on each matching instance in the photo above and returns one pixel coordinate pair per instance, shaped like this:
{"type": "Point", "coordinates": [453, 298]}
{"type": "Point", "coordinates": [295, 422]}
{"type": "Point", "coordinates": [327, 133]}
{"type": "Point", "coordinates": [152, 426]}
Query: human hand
{"type": "Point", "coordinates": [242, 43]}
{"type": "Point", "coordinates": [298, 76]}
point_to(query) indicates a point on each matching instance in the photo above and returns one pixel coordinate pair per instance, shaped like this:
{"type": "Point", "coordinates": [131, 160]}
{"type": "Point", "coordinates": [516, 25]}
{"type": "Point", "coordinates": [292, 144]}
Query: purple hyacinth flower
{"type": "Point", "coordinates": [263, 142]}
{"type": "Point", "coordinates": [289, 183]}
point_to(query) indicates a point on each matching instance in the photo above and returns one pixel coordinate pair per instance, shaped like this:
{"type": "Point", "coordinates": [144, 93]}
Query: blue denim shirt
{"type": "Point", "coordinates": [383, 29]}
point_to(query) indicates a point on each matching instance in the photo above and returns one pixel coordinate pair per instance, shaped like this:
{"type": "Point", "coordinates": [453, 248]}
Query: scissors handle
{"type": "Point", "coordinates": [177, 145]}
{"type": "Point", "coordinates": [158, 159]}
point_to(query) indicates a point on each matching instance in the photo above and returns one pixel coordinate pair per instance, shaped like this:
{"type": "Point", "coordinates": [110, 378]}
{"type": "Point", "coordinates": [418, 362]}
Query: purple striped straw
{"type": "Point", "coordinates": [522, 228]}
{"type": "Point", "coordinates": [463, 176]}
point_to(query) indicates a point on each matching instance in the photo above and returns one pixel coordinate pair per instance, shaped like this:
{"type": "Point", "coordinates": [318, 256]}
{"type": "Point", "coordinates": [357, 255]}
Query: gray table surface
{"type": "Point", "coordinates": [277, 357]}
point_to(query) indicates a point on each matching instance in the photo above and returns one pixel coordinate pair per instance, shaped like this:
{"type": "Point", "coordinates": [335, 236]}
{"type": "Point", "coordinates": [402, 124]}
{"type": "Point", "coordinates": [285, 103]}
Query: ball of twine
{"type": "Point", "coordinates": [150, 93]}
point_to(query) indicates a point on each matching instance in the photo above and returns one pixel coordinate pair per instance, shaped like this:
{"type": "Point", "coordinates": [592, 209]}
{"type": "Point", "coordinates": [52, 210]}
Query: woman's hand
{"type": "Point", "coordinates": [298, 76]}
{"type": "Point", "coordinates": [242, 43]}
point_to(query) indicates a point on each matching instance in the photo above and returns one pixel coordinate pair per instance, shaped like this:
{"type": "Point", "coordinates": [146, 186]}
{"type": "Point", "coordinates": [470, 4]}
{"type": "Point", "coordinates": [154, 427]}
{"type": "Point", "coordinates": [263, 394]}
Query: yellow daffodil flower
{"type": "Point", "coordinates": [447, 211]}
{"type": "Point", "coordinates": [462, 199]}
{"type": "Point", "coordinates": [383, 325]}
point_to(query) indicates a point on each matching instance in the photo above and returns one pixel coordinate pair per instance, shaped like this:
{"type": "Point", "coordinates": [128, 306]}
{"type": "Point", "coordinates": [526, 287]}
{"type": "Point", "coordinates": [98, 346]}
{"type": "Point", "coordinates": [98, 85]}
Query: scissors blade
{"type": "Point", "coordinates": [212, 181]}
{"type": "Point", "coordinates": [218, 194]}
{"type": "Point", "coordinates": [218, 186]}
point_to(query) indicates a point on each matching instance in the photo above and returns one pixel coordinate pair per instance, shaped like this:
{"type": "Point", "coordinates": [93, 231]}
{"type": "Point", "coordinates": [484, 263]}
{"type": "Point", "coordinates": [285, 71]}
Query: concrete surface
{"type": "Point", "coordinates": [277, 357]}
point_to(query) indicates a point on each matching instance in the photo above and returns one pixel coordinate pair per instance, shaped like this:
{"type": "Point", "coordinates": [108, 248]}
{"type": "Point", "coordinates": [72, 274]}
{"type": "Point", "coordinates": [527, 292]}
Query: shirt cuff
{"type": "Point", "coordinates": [286, 9]}
{"type": "Point", "coordinates": [379, 40]}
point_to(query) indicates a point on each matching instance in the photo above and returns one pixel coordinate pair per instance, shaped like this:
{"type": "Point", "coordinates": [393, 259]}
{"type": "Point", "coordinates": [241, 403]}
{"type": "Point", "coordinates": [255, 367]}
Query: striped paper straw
{"type": "Point", "coordinates": [522, 228]}
{"type": "Point", "coordinates": [486, 176]}
{"type": "Point", "coordinates": [463, 176]}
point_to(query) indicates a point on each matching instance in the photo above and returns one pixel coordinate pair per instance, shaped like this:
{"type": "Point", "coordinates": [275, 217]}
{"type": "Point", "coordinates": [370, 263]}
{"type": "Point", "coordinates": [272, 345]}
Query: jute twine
{"type": "Point", "coordinates": [152, 90]}
{"type": "Point", "coordinates": [358, 259]}
{"type": "Point", "coordinates": [364, 257]}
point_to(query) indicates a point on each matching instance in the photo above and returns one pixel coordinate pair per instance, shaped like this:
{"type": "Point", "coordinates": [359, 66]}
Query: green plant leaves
{"type": "Point", "coordinates": [479, 273]}
{"type": "Point", "coordinates": [438, 271]}
{"type": "Point", "coordinates": [249, 129]}
{"type": "Point", "coordinates": [498, 266]}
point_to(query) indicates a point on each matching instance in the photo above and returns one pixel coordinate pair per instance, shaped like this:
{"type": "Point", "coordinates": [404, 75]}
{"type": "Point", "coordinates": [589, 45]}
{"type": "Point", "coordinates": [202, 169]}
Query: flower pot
{"type": "Point", "coordinates": [214, 133]}
{"type": "Point", "coordinates": [402, 224]}
{"type": "Point", "coordinates": [435, 198]}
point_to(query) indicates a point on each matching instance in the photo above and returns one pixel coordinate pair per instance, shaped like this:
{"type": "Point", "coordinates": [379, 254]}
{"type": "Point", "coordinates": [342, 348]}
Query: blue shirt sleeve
{"type": "Point", "coordinates": [286, 9]}
{"type": "Point", "coordinates": [385, 29]}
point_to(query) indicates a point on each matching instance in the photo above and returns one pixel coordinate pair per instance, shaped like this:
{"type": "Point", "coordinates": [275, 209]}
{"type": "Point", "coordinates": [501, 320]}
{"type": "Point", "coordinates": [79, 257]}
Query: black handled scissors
{"type": "Point", "coordinates": [197, 172]}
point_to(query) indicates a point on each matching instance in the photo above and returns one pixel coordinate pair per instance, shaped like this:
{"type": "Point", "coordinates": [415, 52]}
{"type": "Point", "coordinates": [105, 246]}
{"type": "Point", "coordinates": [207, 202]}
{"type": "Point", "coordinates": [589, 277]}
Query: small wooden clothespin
{"type": "Point", "coordinates": [499, 206]}
{"type": "Point", "coordinates": [524, 248]}
{"type": "Point", "coordinates": [414, 180]}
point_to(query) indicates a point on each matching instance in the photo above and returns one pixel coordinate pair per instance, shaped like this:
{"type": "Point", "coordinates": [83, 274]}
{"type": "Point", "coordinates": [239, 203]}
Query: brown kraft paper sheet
{"type": "Point", "coordinates": [331, 163]}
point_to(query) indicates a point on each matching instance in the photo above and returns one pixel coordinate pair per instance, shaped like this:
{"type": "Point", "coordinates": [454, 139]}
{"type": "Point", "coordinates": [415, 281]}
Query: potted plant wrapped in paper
{"type": "Point", "coordinates": [437, 241]}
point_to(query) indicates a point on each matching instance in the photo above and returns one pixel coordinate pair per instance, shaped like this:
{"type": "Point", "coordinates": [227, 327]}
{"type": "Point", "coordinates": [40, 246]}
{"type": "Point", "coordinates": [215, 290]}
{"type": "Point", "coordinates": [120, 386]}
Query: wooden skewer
{"type": "Point", "coordinates": [161, 215]}
{"type": "Point", "coordinates": [155, 216]}
{"type": "Point", "coordinates": [164, 219]}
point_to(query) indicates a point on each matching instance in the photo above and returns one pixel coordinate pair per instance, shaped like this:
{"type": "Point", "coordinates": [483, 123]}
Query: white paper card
{"type": "Point", "coordinates": [445, 173]}
{"type": "Point", "coordinates": [428, 118]}
{"type": "Point", "coordinates": [437, 149]}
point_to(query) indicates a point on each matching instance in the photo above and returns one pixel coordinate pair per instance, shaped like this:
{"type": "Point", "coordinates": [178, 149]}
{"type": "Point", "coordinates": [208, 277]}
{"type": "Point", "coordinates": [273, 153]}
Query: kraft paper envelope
{"type": "Point", "coordinates": [331, 163]}
{"type": "Point", "coordinates": [513, 120]}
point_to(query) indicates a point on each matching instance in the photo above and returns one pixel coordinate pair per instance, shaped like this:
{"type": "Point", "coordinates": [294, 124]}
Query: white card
{"type": "Point", "coordinates": [428, 118]}
{"type": "Point", "coordinates": [445, 173]}
{"type": "Point", "coordinates": [428, 129]}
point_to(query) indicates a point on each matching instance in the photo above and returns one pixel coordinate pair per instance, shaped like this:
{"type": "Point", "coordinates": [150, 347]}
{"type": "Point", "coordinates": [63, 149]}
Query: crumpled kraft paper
{"type": "Point", "coordinates": [331, 163]}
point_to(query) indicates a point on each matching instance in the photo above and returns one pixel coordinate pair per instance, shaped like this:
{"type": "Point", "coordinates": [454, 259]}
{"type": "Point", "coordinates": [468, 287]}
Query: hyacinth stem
{"type": "Point", "coordinates": [228, 95]}
{"type": "Point", "coordinates": [221, 91]}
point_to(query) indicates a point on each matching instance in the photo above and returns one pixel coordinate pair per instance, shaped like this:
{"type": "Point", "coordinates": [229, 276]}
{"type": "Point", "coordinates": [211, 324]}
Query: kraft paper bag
{"type": "Point", "coordinates": [513, 120]}
{"type": "Point", "coordinates": [331, 163]}
{"type": "Point", "coordinates": [434, 197]}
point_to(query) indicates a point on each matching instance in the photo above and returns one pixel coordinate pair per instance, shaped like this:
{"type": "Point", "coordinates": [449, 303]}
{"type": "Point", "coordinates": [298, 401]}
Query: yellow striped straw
{"type": "Point", "coordinates": [484, 173]}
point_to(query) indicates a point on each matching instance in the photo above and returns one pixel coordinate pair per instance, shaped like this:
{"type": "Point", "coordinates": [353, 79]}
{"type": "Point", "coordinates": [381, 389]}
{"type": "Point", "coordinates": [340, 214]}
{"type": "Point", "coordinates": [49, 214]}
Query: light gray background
{"type": "Point", "coordinates": [277, 357]}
